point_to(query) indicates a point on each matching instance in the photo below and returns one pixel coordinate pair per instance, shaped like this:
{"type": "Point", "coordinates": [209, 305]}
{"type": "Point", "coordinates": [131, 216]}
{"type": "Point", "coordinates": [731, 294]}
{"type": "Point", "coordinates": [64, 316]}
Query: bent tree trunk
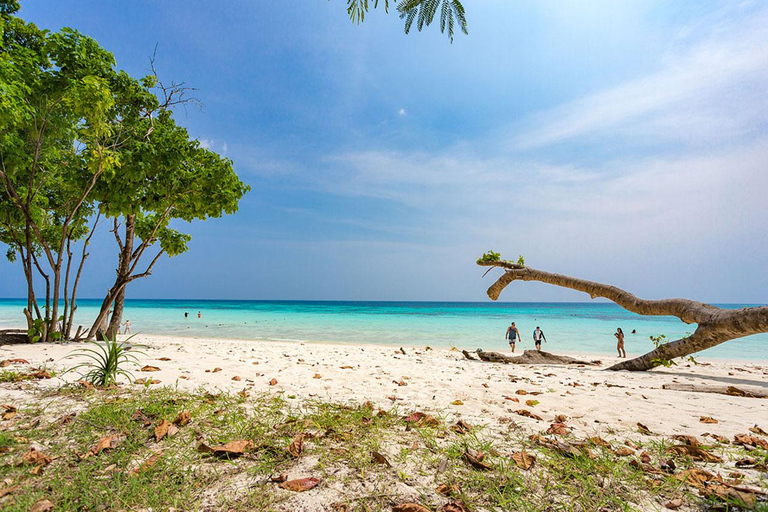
{"type": "Point", "coordinates": [715, 325]}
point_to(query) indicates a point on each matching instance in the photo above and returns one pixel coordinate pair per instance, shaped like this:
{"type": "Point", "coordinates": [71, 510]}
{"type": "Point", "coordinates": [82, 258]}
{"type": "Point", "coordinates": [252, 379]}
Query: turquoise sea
{"type": "Point", "coordinates": [585, 328]}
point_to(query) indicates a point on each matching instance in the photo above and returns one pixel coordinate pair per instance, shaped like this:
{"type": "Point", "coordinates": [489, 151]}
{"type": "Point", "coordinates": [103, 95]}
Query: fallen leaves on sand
{"type": "Point", "coordinates": [457, 402]}
{"type": "Point", "coordinates": [524, 460]}
{"type": "Point", "coordinates": [165, 428]}
{"type": "Point", "coordinates": [747, 440]}
{"type": "Point", "coordinates": [236, 378]}
{"type": "Point", "coordinates": [461, 427]}
{"type": "Point", "coordinates": [558, 429]}
{"type": "Point", "coordinates": [317, 376]}
{"type": "Point", "coordinates": [282, 477]}
{"type": "Point", "coordinates": [644, 430]}
{"type": "Point", "coordinates": [475, 458]}
{"type": "Point", "coordinates": [531, 403]}
{"type": "Point", "coordinates": [216, 370]}
{"type": "Point", "coordinates": [139, 415]}
{"type": "Point", "coordinates": [346, 367]}
{"type": "Point", "coordinates": [599, 441]}
{"type": "Point", "coordinates": [708, 419]}
{"type": "Point", "coordinates": [8, 362]}
{"type": "Point", "coordinates": [674, 504]}
{"type": "Point", "coordinates": [410, 507]}
{"type": "Point", "coordinates": [624, 451]}
{"type": "Point", "coordinates": [560, 418]}
{"type": "Point", "coordinates": [143, 381]}
{"type": "Point", "coordinates": [149, 368]}
{"type": "Point", "coordinates": [9, 412]}
{"type": "Point", "coordinates": [422, 419]}
{"type": "Point", "coordinates": [273, 382]}
{"type": "Point", "coordinates": [454, 506]}
{"type": "Point", "coordinates": [758, 430]}
{"type": "Point", "coordinates": [301, 484]}
{"type": "Point", "coordinates": [182, 418]}
{"type": "Point", "coordinates": [448, 489]}
{"type": "Point", "coordinates": [717, 437]}
{"type": "Point", "coordinates": [686, 439]}
{"type": "Point", "coordinates": [529, 414]}
{"type": "Point", "coordinates": [105, 443]}
{"type": "Point", "coordinates": [694, 452]}
{"type": "Point", "coordinates": [146, 464]}
{"type": "Point", "coordinates": [231, 450]}
{"type": "Point", "coordinates": [34, 457]}
{"type": "Point", "coordinates": [378, 458]}
{"type": "Point", "coordinates": [297, 445]}
{"type": "Point", "coordinates": [512, 399]}
{"type": "Point", "coordinates": [42, 506]}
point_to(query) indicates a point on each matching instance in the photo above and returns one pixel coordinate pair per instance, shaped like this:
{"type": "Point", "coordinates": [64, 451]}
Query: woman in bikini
{"type": "Point", "coordinates": [620, 345]}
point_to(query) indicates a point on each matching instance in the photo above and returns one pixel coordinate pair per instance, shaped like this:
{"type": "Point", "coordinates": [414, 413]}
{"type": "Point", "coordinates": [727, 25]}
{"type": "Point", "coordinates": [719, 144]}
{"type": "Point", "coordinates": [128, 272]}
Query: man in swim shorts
{"type": "Point", "coordinates": [512, 335]}
{"type": "Point", "coordinates": [538, 335]}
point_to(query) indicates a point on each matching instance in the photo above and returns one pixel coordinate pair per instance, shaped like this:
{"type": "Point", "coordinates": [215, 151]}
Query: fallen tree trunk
{"type": "Point", "coordinates": [721, 390]}
{"type": "Point", "coordinates": [528, 357]}
{"type": "Point", "coordinates": [715, 325]}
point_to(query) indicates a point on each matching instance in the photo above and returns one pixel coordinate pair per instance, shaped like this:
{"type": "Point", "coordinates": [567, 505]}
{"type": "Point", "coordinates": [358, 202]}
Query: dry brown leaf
{"type": "Point", "coordinates": [230, 450]}
{"type": "Point", "coordinates": [273, 382]}
{"type": "Point", "coordinates": [146, 465]}
{"type": "Point", "coordinates": [457, 402]}
{"type": "Point", "coordinates": [215, 370]}
{"type": "Point", "coordinates": [164, 359]}
{"type": "Point", "coordinates": [529, 414]}
{"type": "Point", "coordinates": [645, 458]}
{"type": "Point", "coordinates": [454, 506]}
{"type": "Point", "coordinates": [685, 439]}
{"type": "Point", "coordinates": [744, 439]}
{"type": "Point", "coordinates": [707, 419]}
{"type": "Point", "coordinates": [558, 429]}
{"type": "Point", "coordinates": [35, 457]}
{"type": "Point", "coordinates": [695, 477]}
{"type": "Point", "coordinates": [624, 451]}
{"type": "Point", "coordinates": [301, 484]}
{"type": "Point", "coordinates": [346, 367]}
{"type": "Point", "coordinates": [476, 459]}
{"type": "Point", "coordinates": [599, 441]}
{"type": "Point", "coordinates": [524, 460]}
{"type": "Point", "coordinates": [531, 403]}
{"type": "Point", "coordinates": [448, 489]}
{"type": "Point", "coordinates": [282, 477]}
{"type": "Point", "coordinates": [149, 368]}
{"type": "Point", "coordinates": [758, 430]}
{"type": "Point", "coordinates": [297, 445]}
{"type": "Point", "coordinates": [105, 443]}
{"type": "Point", "coordinates": [560, 418]}
{"type": "Point", "coordinates": [317, 376]}
{"type": "Point", "coordinates": [410, 507]}
{"type": "Point", "coordinates": [643, 429]}
{"type": "Point", "coordinates": [674, 504]}
{"type": "Point", "coordinates": [694, 452]}
{"type": "Point", "coordinates": [182, 418]}
{"type": "Point", "coordinates": [143, 381]}
{"type": "Point", "coordinates": [461, 427]}
{"type": "Point", "coordinates": [161, 430]}
{"type": "Point", "coordinates": [42, 506]}
{"type": "Point", "coordinates": [339, 507]}
{"type": "Point", "coordinates": [521, 392]}
{"type": "Point", "coordinates": [380, 459]}
{"type": "Point", "coordinates": [139, 415]}
{"type": "Point", "coordinates": [236, 378]}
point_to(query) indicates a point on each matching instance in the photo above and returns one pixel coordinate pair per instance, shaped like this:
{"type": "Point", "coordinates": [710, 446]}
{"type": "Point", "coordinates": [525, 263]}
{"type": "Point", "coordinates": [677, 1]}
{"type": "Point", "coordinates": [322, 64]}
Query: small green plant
{"type": "Point", "coordinates": [105, 362]}
{"type": "Point", "coordinates": [661, 340]}
{"type": "Point", "coordinates": [521, 261]}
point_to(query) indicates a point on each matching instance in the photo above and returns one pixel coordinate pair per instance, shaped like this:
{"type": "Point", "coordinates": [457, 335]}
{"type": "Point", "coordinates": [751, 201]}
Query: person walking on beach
{"type": "Point", "coordinates": [127, 325]}
{"type": "Point", "coordinates": [538, 335]}
{"type": "Point", "coordinates": [512, 335]}
{"type": "Point", "coordinates": [620, 345]}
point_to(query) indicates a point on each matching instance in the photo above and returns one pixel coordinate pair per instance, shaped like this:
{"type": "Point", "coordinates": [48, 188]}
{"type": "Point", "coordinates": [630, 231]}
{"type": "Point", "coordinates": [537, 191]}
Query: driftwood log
{"type": "Point", "coordinates": [13, 336]}
{"type": "Point", "coordinates": [715, 325]}
{"type": "Point", "coordinates": [722, 390]}
{"type": "Point", "coordinates": [528, 357]}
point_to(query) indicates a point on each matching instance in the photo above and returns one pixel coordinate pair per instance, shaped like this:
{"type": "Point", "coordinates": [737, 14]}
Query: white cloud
{"type": "Point", "coordinates": [402, 112]}
{"type": "Point", "coordinates": [714, 89]}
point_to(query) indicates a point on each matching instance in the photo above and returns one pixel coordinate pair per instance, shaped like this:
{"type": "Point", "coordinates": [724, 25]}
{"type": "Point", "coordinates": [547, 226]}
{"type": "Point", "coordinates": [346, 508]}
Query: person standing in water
{"type": "Point", "coordinates": [620, 339]}
{"type": "Point", "coordinates": [538, 335]}
{"type": "Point", "coordinates": [512, 335]}
{"type": "Point", "coordinates": [199, 315]}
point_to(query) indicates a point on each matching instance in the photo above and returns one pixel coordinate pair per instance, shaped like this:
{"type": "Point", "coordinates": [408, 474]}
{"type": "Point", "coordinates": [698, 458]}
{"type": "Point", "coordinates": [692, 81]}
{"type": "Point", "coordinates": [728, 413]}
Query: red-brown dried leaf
{"type": "Point", "coordinates": [747, 440]}
{"type": "Point", "coordinates": [42, 506]}
{"type": "Point", "coordinates": [448, 489]}
{"type": "Point", "coordinates": [529, 414]}
{"type": "Point", "coordinates": [461, 427]}
{"type": "Point", "coordinates": [558, 429]}
{"type": "Point", "coordinates": [230, 450]}
{"type": "Point", "coordinates": [106, 443]}
{"type": "Point", "coordinates": [758, 430]}
{"type": "Point", "coordinates": [410, 507]}
{"type": "Point", "coordinates": [35, 457]}
{"type": "Point", "coordinates": [182, 418]}
{"type": "Point", "coordinates": [297, 445]}
{"type": "Point", "coordinates": [378, 458]}
{"type": "Point", "coordinates": [694, 452]}
{"type": "Point", "coordinates": [476, 460]}
{"type": "Point", "coordinates": [150, 368]}
{"type": "Point", "coordinates": [273, 382]}
{"type": "Point", "coordinates": [686, 439]}
{"type": "Point", "coordinates": [10, 412]}
{"type": "Point", "coordinates": [643, 429]}
{"type": "Point", "coordinates": [146, 465]}
{"type": "Point", "coordinates": [301, 484]}
{"type": "Point", "coordinates": [524, 460]}
{"type": "Point", "coordinates": [707, 419]}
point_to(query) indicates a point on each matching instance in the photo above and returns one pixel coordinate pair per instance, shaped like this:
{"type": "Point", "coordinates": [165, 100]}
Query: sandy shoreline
{"type": "Point", "coordinates": [596, 401]}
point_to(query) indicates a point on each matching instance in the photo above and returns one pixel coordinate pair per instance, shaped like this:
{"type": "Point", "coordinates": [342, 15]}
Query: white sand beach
{"type": "Point", "coordinates": [596, 401]}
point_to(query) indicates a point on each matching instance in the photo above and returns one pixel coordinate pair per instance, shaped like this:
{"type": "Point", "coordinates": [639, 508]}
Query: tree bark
{"type": "Point", "coordinates": [715, 325]}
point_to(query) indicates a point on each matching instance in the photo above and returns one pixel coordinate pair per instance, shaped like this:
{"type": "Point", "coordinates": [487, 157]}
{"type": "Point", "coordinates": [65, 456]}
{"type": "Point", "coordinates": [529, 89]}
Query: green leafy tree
{"type": "Point", "coordinates": [423, 12]}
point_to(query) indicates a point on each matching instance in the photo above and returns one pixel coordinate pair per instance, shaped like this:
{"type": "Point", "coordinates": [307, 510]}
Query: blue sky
{"type": "Point", "coordinates": [625, 142]}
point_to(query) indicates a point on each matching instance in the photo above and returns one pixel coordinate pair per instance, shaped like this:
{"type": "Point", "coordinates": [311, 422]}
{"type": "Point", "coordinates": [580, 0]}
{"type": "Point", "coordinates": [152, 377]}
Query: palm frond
{"type": "Point", "coordinates": [423, 11]}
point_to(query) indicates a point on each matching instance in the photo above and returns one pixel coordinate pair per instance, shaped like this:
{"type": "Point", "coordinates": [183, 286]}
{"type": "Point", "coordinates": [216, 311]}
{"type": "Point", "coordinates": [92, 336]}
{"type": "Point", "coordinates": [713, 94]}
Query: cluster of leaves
{"type": "Point", "coordinates": [493, 257]}
{"type": "Point", "coordinates": [660, 341]}
{"type": "Point", "coordinates": [423, 12]}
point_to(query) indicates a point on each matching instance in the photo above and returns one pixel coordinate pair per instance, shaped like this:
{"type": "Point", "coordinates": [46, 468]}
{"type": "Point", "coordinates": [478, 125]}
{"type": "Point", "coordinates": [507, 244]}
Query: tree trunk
{"type": "Point", "coordinates": [117, 315]}
{"type": "Point", "coordinates": [715, 325]}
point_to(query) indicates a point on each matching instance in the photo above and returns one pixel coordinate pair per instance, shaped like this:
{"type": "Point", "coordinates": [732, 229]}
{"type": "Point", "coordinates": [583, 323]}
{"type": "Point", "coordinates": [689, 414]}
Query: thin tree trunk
{"type": "Point", "coordinates": [123, 274]}
{"type": "Point", "coordinates": [715, 325]}
{"type": "Point", "coordinates": [83, 257]}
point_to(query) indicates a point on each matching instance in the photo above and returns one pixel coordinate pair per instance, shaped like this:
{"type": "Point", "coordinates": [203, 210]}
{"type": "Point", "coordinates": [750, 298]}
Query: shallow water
{"type": "Point", "coordinates": [569, 327]}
